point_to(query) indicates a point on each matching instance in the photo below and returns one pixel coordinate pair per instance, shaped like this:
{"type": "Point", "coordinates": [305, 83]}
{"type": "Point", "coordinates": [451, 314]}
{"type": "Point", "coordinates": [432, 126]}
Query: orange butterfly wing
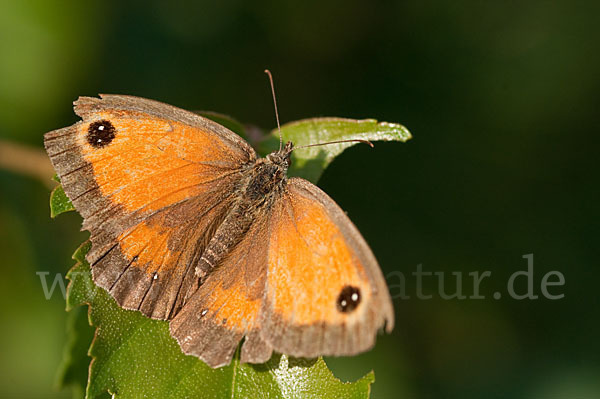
{"type": "Point", "coordinates": [325, 294]}
{"type": "Point", "coordinates": [151, 182]}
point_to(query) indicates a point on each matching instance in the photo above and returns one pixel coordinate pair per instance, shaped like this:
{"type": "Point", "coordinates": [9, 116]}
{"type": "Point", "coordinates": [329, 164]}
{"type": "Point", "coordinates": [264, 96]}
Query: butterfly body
{"type": "Point", "coordinates": [189, 225]}
{"type": "Point", "coordinates": [261, 183]}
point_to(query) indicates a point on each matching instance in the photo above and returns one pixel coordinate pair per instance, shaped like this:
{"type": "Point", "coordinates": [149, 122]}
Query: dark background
{"type": "Point", "coordinates": [501, 97]}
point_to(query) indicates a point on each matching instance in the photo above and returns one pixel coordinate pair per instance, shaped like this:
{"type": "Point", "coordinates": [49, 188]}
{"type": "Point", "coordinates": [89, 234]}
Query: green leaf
{"type": "Point", "coordinates": [73, 371]}
{"type": "Point", "coordinates": [134, 356]}
{"type": "Point", "coordinates": [59, 202]}
{"type": "Point", "coordinates": [253, 134]}
{"type": "Point", "coordinates": [310, 163]}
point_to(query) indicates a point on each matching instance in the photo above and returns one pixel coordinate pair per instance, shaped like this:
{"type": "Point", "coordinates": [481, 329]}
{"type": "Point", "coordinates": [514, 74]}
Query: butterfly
{"type": "Point", "coordinates": [188, 224]}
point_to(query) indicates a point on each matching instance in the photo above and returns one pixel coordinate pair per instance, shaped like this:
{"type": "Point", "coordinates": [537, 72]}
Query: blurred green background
{"type": "Point", "coordinates": [502, 99]}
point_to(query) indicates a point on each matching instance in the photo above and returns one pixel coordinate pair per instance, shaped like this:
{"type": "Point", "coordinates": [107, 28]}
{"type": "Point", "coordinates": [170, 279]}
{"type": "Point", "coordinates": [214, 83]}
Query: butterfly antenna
{"type": "Point", "coordinates": [336, 142]}
{"type": "Point", "coordinates": [275, 104]}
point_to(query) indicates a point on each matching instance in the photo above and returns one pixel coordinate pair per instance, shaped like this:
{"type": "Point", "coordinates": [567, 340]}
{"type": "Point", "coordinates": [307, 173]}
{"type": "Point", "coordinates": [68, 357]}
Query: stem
{"type": "Point", "coordinates": [27, 161]}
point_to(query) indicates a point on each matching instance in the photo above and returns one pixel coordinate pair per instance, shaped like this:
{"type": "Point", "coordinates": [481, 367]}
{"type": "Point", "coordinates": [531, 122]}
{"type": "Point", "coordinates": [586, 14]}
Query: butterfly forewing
{"type": "Point", "coordinates": [151, 181]}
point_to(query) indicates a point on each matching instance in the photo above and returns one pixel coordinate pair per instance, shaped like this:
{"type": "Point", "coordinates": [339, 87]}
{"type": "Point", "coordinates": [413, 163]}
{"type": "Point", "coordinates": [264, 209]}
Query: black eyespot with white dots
{"type": "Point", "coordinates": [101, 133]}
{"type": "Point", "coordinates": [349, 299]}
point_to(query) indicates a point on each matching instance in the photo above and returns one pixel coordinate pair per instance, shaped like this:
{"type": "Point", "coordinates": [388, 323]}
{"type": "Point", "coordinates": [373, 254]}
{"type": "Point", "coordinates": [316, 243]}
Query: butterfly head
{"type": "Point", "coordinates": [282, 157]}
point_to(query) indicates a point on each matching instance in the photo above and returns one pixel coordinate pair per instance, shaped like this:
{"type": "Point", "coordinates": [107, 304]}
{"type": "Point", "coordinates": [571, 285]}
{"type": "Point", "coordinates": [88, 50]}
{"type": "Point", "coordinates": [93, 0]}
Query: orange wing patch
{"type": "Point", "coordinates": [310, 263]}
{"type": "Point", "coordinates": [152, 163]}
{"type": "Point", "coordinates": [234, 309]}
{"type": "Point", "coordinates": [148, 244]}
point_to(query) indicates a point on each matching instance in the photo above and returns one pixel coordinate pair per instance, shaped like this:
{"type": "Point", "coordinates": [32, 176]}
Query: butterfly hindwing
{"type": "Point", "coordinates": [227, 305]}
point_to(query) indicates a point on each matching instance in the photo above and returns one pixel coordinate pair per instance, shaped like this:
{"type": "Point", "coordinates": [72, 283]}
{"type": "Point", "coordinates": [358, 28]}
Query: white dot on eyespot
{"type": "Point", "coordinates": [101, 127]}
{"type": "Point", "coordinates": [343, 302]}
{"type": "Point", "coordinates": [354, 297]}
